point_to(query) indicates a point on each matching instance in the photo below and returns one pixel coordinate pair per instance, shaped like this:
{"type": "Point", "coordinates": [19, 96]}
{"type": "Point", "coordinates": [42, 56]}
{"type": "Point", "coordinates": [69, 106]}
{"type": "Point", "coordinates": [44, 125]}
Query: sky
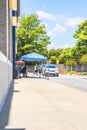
{"type": "Point", "coordinates": [61, 18]}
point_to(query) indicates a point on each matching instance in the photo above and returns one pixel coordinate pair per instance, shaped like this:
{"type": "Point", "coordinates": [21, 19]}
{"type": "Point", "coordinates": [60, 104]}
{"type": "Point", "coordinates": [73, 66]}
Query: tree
{"type": "Point", "coordinates": [79, 50]}
{"type": "Point", "coordinates": [71, 62]}
{"type": "Point", "coordinates": [83, 59]}
{"type": "Point", "coordinates": [53, 59]}
{"type": "Point", "coordinates": [54, 52]}
{"type": "Point", "coordinates": [65, 55]}
{"type": "Point", "coordinates": [31, 36]}
{"type": "Point", "coordinates": [81, 32]}
{"type": "Point", "coordinates": [81, 45]}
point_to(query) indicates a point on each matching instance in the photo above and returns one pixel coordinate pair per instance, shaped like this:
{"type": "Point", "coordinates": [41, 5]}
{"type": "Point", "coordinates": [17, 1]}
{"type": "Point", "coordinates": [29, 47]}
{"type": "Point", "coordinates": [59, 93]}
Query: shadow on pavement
{"type": "Point", "coordinates": [15, 129]}
{"type": "Point", "coordinates": [4, 114]}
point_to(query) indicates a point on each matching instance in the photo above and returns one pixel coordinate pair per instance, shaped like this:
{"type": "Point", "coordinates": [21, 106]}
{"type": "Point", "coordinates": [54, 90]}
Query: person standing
{"type": "Point", "coordinates": [36, 69]}
{"type": "Point", "coordinates": [40, 70]}
{"type": "Point", "coordinates": [23, 70]}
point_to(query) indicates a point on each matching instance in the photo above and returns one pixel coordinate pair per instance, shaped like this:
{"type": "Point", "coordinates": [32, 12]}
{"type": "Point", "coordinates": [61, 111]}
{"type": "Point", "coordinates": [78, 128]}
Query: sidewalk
{"type": "Point", "coordinates": [41, 104]}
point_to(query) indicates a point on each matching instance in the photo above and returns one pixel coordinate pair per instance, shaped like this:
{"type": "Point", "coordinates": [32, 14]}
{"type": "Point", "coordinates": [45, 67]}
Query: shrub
{"type": "Point", "coordinates": [70, 72]}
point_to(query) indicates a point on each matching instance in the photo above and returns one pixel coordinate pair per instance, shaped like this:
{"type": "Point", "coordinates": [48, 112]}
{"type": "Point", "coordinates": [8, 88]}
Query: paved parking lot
{"type": "Point", "coordinates": [40, 104]}
{"type": "Point", "coordinates": [78, 82]}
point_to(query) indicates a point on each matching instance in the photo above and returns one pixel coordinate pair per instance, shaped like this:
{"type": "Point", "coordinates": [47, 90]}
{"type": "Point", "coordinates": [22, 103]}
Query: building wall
{"type": "Point", "coordinates": [5, 78]}
{"type": "Point", "coordinates": [6, 66]}
{"type": "Point", "coordinates": [9, 34]}
{"type": "Point", "coordinates": [5, 51]}
{"type": "Point", "coordinates": [5, 29]}
{"type": "Point", "coordinates": [3, 26]}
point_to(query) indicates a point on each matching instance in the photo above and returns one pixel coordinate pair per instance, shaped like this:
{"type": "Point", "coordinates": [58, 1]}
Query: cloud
{"type": "Point", "coordinates": [58, 24]}
{"type": "Point", "coordinates": [51, 46]}
{"type": "Point", "coordinates": [58, 29]}
{"type": "Point", "coordinates": [72, 22]}
{"type": "Point", "coordinates": [68, 21]}
{"type": "Point", "coordinates": [57, 45]}
{"type": "Point", "coordinates": [65, 46]}
{"type": "Point", "coordinates": [46, 15]}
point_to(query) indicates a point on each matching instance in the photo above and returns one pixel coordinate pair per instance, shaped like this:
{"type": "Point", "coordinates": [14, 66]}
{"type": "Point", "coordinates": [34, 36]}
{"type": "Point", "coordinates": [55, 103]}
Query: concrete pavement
{"type": "Point", "coordinates": [40, 104]}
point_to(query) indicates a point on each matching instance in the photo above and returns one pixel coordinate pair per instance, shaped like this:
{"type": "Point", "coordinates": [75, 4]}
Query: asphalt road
{"type": "Point", "coordinates": [78, 82]}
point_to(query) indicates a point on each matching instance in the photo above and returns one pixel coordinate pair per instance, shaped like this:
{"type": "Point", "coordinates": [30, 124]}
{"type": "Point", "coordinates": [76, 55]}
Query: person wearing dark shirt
{"type": "Point", "coordinates": [23, 70]}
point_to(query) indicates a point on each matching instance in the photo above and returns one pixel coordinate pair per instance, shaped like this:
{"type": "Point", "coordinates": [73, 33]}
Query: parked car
{"type": "Point", "coordinates": [50, 69]}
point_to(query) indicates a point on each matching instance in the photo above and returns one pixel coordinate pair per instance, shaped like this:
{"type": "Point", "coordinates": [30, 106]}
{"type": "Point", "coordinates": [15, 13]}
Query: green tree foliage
{"type": "Point", "coordinates": [81, 32]}
{"type": "Point", "coordinates": [31, 36]}
{"type": "Point", "coordinates": [65, 55]}
{"type": "Point", "coordinates": [53, 59]}
{"type": "Point", "coordinates": [54, 52]}
{"type": "Point", "coordinates": [80, 48]}
{"type": "Point", "coordinates": [83, 59]}
{"type": "Point", "coordinates": [71, 62]}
